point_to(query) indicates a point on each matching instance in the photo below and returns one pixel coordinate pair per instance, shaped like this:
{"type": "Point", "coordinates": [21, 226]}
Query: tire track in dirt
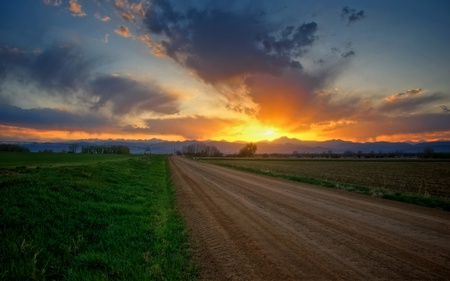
{"type": "Point", "coordinates": [252, 227]}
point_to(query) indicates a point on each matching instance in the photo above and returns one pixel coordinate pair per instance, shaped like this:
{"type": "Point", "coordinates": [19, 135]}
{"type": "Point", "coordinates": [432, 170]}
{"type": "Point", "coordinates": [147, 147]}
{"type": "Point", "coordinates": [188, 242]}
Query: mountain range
{"type": "Point", "coordinates": [283, 145]}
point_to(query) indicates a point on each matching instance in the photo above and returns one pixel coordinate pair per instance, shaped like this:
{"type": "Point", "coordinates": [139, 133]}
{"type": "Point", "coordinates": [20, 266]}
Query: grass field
{"type": "Point", "coordinates": [90, 217]}
{"type": "Point", "coordinates": [20, 159]}
{"type": "Point", "coordinates": [416, 181]}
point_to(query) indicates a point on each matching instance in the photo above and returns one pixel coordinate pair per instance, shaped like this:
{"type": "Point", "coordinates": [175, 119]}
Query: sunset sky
{"type": "Point", "coordinates": [234, 70]}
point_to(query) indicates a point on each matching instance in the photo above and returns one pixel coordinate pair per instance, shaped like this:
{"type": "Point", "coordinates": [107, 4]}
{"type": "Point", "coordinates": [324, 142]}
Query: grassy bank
{"type": "Point", "coordinates": [107, 220]}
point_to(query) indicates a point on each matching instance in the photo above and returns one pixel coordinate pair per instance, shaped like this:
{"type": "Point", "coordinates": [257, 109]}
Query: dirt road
{"type": "Point", "coordinates": [253, 227]}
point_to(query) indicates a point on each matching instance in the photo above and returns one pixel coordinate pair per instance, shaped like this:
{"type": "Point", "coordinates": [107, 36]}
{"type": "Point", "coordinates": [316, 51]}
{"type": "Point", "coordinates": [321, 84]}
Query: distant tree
{"type": "Point", "coordinates": [248, 150]}
{"type": "Point", "coordinates": [348, 153]}
{"type": "Point", "coordinates": [428, 153]}
{"type": "Point", "coordinates": [73, 148]}
{"type": "Point", "coordinates": [102, 149]}
{"type": "Point", "coordinates": [201, 150]}
{"type": "Point", "coordinates": [359, 154]}
{"type": "Point", "coordinates": [13, 148]}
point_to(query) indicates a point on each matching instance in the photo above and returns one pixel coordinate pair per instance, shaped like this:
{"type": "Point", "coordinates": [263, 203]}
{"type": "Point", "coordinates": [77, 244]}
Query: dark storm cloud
{"type": "Point", "coordinates": [351, 15]}
{"type": "Point", "coordinates": [62, 68]}
{"type": "Point", "coordinates": [127, 95]}
{"type": "Point", "coordinates": [162, 17]}
{"type": "Point", "coordinates": [68, 71]}
{"type": "Point", "coordinates": [50, 119]}
{"type": "Point", "coordinates": [219, 44]}
{"type": "Point", "coordinates": [59, 68]}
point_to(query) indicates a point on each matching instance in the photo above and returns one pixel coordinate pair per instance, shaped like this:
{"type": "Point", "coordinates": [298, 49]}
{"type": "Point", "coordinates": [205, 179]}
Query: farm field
{"type": "Point", "coordinates": [90, 217]}
{"type": "Point", "coordinates": [18, 159]}
{"type": "Point", "coordinates": [424, 178]}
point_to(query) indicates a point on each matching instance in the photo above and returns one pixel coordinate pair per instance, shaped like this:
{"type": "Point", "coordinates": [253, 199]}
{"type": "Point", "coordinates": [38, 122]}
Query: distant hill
{"type": "Point", "coordinates": [281, 145]}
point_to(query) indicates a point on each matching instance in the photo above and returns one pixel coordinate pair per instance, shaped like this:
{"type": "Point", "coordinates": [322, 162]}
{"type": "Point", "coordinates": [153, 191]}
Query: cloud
{"type": "Point", "coordinates": [130, 12]}
{"type": "Point", "coordinates": [138, 9]}
{"type": "Point", "coordinates": [410, 101]}
{"type": "Point", "coordinates": [189, 127]}
{"type": "Point", "coordinates": [76, 9]}
{"type": "Point", "coordinates": [126, 95]}
{"type": "Point", "coordinates": [61, 68]}
{"type": "Point", "coordinates": [53, 2]}
{"type": "Point", "coordinates": [253, 62]}
{"type": "Point", "coordinates": [348, 54]}
{"type": "Point", "coordinates": [299, 99]}
{"type": "Point", "coordinates": [51, 119]}
{"type": "Point", "coordinates": [210, 41]}
{"type": "Point", "coordinates": [351, 15]}
{"type": "Point", "coordinates": [155, 48]}
{"type": "Point", "coordinates": [106, 38]}
{"type": "Point", "coordinates": [11, 59]}
{"type": "Point", "coordinates": [123, 31]}
{"type": "Point", "coordinates": [374, 126]}
{"type": "Point", "coordinates": [408, 94]}
{"type": "Point", "coordinates": [103, 19]}
{"type": "Point", "coordinates": [67, 71]}
{"type": "Point", "coordinates": [128, 16]}
{"type": "Point", "coordinates": [445, 109]}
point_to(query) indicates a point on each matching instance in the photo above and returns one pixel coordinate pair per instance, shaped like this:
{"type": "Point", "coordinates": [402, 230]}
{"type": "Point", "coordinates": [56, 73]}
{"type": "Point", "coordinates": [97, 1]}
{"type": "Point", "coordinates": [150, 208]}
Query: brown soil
{"type": "Point", "coordinates": [251, 227]}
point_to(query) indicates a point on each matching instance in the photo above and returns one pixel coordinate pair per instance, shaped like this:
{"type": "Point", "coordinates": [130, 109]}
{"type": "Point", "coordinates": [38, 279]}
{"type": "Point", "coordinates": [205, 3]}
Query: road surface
{"type": "Point", "coordinates": [252, 227]}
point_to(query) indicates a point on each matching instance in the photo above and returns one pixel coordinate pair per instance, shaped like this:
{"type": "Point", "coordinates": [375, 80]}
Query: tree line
{"type": "Point", "coordinates": [204, 150]}
{"type": "Point", "coordinates": [13, 148]}
{"type": "Point", "coordinates": [200, 150]}
{"type": "Point", "coordinates": [105, 149]}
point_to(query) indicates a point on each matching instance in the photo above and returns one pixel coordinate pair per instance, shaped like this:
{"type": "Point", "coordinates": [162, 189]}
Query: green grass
{"type": "Point", "coordinates": [24, 159]}
{"type": "Point", "coordinates": [106, 220]}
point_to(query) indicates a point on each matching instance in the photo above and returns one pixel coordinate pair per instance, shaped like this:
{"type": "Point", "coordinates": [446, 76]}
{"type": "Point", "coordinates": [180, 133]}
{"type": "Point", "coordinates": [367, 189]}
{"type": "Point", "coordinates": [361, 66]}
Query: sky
{"type": "Point", "coordinates": [246, 70]}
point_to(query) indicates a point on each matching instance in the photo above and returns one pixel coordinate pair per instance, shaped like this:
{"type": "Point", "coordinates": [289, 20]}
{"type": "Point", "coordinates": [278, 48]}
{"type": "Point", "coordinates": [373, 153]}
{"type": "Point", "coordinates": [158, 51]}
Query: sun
{"type": "Point", "coordinates": [254, 132]}
{"type": "Point", "coordinates": [270, 133]}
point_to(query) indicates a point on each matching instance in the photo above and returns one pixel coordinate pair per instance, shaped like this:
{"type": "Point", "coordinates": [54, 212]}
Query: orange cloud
{"type": "Point", "coordinates": [138, 9]}
{"type": "Point", "coordinates": [76, 9]}
{"type": "Point", "coordinates": [123, 31]}
{"type": "Point", "coordinates": [103, 19]}
{"type": "Point", "coordinates": [12, 133]}
{"type": "Point", "coordinates": [408, 94]}
{"type": "Point", "coordinates": [156, 48]}
{"type": "Point", "coordinates": [120, 4]}
{"type": "Point", "coordinates": [127, 16]}
{"type": "Point", "coordinates": [380, 127]}
{"type": "Point", "coordinates": [190, 127]}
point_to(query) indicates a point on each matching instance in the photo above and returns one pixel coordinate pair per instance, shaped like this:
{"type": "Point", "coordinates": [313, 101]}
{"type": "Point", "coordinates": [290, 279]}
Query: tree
{"type": "Point", "coordinates": [200, 150]}
{"type": "Point", "coordinates": [248, 150]}
{"type": "Point", "coordinates": [73, 148]}
{"type": "Point", "coordinates": [428, 153]}
{"type": "Point", "coordinates": [13, 148]}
